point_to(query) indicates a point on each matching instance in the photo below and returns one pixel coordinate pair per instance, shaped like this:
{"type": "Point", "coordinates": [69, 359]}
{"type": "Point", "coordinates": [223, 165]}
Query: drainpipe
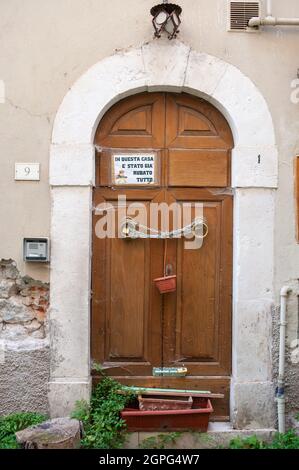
{"type": "Point", "coordinates": [271, 20]}
{"type": "Point", "coordinates": [280, 395]}
{"type": "Point", "coordinates": [269, 8]}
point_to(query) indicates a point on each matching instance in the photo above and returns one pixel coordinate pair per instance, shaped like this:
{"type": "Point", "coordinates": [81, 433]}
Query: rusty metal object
{"type": "Point", "coordinates": [166, 17]}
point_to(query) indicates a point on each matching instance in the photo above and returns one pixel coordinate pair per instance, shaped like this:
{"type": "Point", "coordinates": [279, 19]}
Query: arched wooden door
{"type": "Point", "coordinates": [134, 327]}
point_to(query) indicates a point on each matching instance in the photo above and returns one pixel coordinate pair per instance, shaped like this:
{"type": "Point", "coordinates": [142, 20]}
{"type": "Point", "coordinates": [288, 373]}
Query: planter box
{"type": "Point", "coordinates": [156, 403]}
{"type": "Point", "coordinates": [197, 418]}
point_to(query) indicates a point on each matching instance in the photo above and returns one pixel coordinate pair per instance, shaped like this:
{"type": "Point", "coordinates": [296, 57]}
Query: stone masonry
{"type": "Point", "coordinates": [23, 304]}
{"type": "Point", "coordinates": [24, 348]}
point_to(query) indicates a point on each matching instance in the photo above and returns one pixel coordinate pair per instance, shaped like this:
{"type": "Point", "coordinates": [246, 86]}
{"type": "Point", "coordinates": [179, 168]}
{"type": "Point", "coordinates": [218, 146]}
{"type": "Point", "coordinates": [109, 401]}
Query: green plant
{"type": "Point", "coordinates": [13, 423]}
{"type": "Point", "coordinates": [103, 426]}
{"type": "Point", "coordinates": [289, 440]}
{"type": "Point", "coordinates": [201, 437]}
{"type": "Point", "coordinates": [161, 441]}
{"type": "Point", "coordinates": [98, 368]}
{"type": "Point", "coordinates": [252, 442]}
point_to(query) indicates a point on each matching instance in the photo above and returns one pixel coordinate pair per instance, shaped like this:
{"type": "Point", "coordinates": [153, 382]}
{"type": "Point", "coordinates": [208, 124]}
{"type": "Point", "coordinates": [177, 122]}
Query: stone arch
{"type": "Point", "coordinates": [164, 66]}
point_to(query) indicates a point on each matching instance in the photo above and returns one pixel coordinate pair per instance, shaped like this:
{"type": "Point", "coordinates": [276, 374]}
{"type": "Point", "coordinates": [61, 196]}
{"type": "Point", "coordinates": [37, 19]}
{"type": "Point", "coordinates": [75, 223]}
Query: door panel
{"type": "Point", "coordinates": [129, 300]}
{"type": "Point", "coordinates": [194, 123]}
{"type": "Point", "coordinates": [200, 295]}
{"type": "Point", "coordinates": [200, 311]}
{"type": "Point", "coordinates": [198, 168]}
{"type": "Point", "coordinates": [137, 122]}
{"type": "Point", "coordinates": [126, 321]}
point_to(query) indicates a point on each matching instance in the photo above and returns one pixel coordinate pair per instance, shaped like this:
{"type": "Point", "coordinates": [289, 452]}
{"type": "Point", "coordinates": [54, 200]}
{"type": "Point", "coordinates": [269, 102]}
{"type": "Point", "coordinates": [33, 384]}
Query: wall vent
{"type": "Point", "coordinates": [241, 13]}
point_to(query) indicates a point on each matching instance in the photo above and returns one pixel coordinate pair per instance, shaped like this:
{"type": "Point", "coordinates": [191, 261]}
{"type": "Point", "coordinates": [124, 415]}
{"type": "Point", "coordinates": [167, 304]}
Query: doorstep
{"type": "Point", "coordinates": [219, 434]}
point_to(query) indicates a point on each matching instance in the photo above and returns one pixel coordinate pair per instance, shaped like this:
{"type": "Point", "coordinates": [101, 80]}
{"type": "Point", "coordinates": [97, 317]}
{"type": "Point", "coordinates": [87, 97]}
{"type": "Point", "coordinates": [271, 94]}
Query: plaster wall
{"type": "Point", "coordinates": [46, 46]}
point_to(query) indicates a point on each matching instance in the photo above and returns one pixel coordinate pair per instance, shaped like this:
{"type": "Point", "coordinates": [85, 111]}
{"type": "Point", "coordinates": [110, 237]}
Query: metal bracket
{"type": "Point", "coordinates": [170, 371]}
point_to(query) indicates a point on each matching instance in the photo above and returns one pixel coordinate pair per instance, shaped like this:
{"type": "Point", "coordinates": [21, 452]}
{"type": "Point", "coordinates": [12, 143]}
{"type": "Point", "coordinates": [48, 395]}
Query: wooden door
{"type": "Point", "coordinates": [134, 327]}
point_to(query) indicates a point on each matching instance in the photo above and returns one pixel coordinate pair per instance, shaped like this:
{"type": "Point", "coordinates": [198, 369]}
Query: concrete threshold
{"type": "Point", "coordinates": [219, 435]}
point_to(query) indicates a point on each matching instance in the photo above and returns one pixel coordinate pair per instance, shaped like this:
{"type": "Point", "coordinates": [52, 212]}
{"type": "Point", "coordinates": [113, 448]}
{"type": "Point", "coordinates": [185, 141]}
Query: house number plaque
{"type": "Point", "coordinates": [135, 169]}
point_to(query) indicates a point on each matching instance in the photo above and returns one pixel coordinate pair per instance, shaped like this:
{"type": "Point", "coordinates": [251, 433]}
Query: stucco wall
{"type": "Point", "coordinates": [47, 45]}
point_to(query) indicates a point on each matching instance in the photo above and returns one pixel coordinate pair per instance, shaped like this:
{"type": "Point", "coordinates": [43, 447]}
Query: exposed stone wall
{"type": "Point", "coordinates": [24, 359]}
{"type": "Point", "coordinates": [291, 371]}
{"type": "Point", "coordinates": [23, 304]}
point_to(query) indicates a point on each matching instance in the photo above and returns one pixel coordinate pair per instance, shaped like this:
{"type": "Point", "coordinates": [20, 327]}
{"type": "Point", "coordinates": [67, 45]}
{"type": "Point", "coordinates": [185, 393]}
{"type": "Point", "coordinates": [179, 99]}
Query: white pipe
{"type": "Point", "coordinates": [271, 20]}
{"type": "Point", "coordinates": [280, 395]}
{"type": "Point", "coordinates": [269, 7]}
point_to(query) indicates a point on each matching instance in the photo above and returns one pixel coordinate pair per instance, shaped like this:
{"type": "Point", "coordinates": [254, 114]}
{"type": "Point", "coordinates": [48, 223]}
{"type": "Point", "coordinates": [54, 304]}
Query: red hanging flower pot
{"type": "Point", "coordinates": [166, 284]}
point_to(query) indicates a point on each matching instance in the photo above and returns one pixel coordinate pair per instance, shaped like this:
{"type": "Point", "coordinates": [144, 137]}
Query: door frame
{"type": "Point", "coordinates": [173, 67]}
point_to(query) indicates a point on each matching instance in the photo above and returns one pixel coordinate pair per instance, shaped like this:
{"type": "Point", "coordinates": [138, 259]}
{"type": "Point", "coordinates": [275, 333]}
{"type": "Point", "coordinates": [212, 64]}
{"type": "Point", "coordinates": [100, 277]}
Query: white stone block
{"type": "Point", "coordinates": [255, 167]}
{"type": "Point", "coordinates": [252, 329]}
{"type": "Point", "coordinates": [63, 396]}
{"type": "Point", "coordinates": [203, 74]}
{"type": "Point", "coordinates": [253, 405]}
{"type": "Point", "coordinates": [70, 281]}
{"type": "Point", "coordinates": [165, 64]}
{"type": "Point", "coordinates": [72, 165]}
{"type": "Point", "coordinates": [69, 324]}
{"type": "Point", "coordinates": [254, 214]}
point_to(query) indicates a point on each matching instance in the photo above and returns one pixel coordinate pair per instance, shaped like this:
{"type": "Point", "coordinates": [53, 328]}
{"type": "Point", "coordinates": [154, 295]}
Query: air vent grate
{"type": "Point", "coordinates": [241, 13]}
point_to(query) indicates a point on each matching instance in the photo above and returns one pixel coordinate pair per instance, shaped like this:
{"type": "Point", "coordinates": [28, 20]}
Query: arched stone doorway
{"type": "Point", "coordinates": [171, 67]}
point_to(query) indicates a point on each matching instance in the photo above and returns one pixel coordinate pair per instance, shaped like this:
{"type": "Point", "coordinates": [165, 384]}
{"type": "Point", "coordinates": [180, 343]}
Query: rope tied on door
{"type": "Point", "coordinates": [130, 228]}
